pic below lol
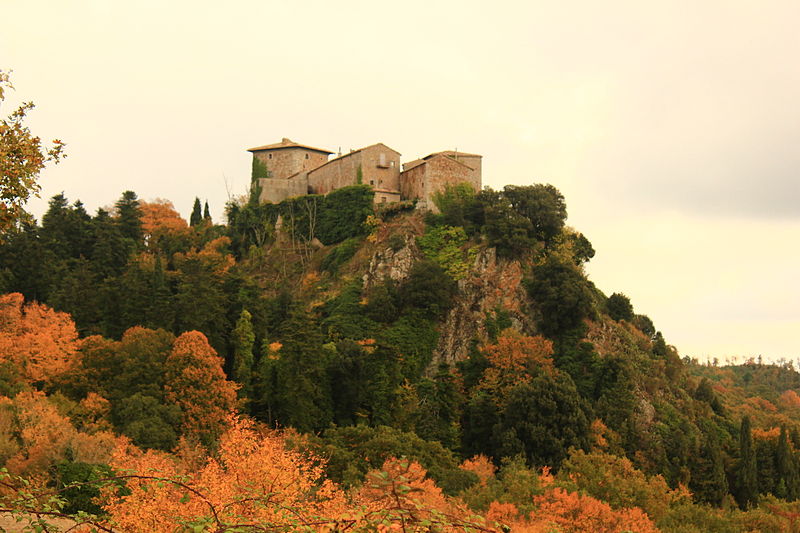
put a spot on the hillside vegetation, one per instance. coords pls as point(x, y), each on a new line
point(324, 364)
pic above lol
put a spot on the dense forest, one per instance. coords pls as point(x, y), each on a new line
point(327, 364)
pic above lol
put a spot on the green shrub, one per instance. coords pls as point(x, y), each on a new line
point(396, 242)
point(340, 255)
point(343, 212)
point(443, 245)
point(81, 497)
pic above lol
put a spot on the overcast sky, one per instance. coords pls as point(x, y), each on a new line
point(672, 128)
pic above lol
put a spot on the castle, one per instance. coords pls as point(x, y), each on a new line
point(295, 169)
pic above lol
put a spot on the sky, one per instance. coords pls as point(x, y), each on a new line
point(672, 128)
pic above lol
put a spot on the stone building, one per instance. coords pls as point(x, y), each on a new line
point(295, 169)
point(422, 178)
point(377, 166)
point(286, 163)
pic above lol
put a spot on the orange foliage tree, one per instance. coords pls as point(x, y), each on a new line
point(195, 382)
point(160, 216)
point(34, 436)
point(254, 483)
point(163, 228)
point(254, 480)
point(39, 342)
point(514, 359)
point(572, 512)
point(790, 399)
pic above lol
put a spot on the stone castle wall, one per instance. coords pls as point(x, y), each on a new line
point(277, 190)
point(287, 162)
point(297, 170)
point(424, 180)
point(380, 169)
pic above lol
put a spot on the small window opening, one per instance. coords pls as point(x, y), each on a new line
point(372, 182)
point(270, 156)
point(306, 156)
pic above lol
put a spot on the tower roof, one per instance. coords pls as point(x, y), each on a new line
point(287, 143)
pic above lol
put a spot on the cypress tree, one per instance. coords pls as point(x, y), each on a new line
point(243, 339)
point(197, 215)
point(787, 468)
point(206, 212)
point(747, 476)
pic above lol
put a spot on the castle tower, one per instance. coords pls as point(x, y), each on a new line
point(282, 168)
point(286, 158)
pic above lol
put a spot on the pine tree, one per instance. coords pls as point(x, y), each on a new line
point(197, 215)
point(206, 213)
point(746, 475)
point(129, 218)
point(243, 339)
point(303, 392)
point(110, 249)
point(709, 482)
point(159, 313)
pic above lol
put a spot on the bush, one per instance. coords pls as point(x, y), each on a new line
point(81, 498)
point(429, 287)
point(443, 245)
point(562, 294)
point(619, 307)
point(343, 213)
point(353, 451)
point(340, 255)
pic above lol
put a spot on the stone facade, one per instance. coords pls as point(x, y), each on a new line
point(275, 190)
point(423, 178)
point(295, 170)
point(378, 166)
point(287, 158)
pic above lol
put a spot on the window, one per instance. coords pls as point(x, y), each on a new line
point(372, 182)
point(270, 156)
point(306, 156)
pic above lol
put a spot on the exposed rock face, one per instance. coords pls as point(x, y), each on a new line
point(392, 264)
point(491, 284)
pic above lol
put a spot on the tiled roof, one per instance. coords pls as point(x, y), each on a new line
point(452, 153)
point(287, 143)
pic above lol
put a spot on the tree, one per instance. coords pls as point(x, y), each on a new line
point(193, 374)
point(66, 230)
point(709, 482)
point(243, 340)
point(302, 393)
point(619, 307)
point(164, 229)
point(746, 471)
point(543, 205)
point(129, 218)
point(562, 294)
point(206, 213)
point(22, 158)
point(428, 287)
point(789, 480)
point(197, 214)
point(542, 419)
point(39, 342)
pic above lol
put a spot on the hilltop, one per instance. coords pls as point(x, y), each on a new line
point(468, 339)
